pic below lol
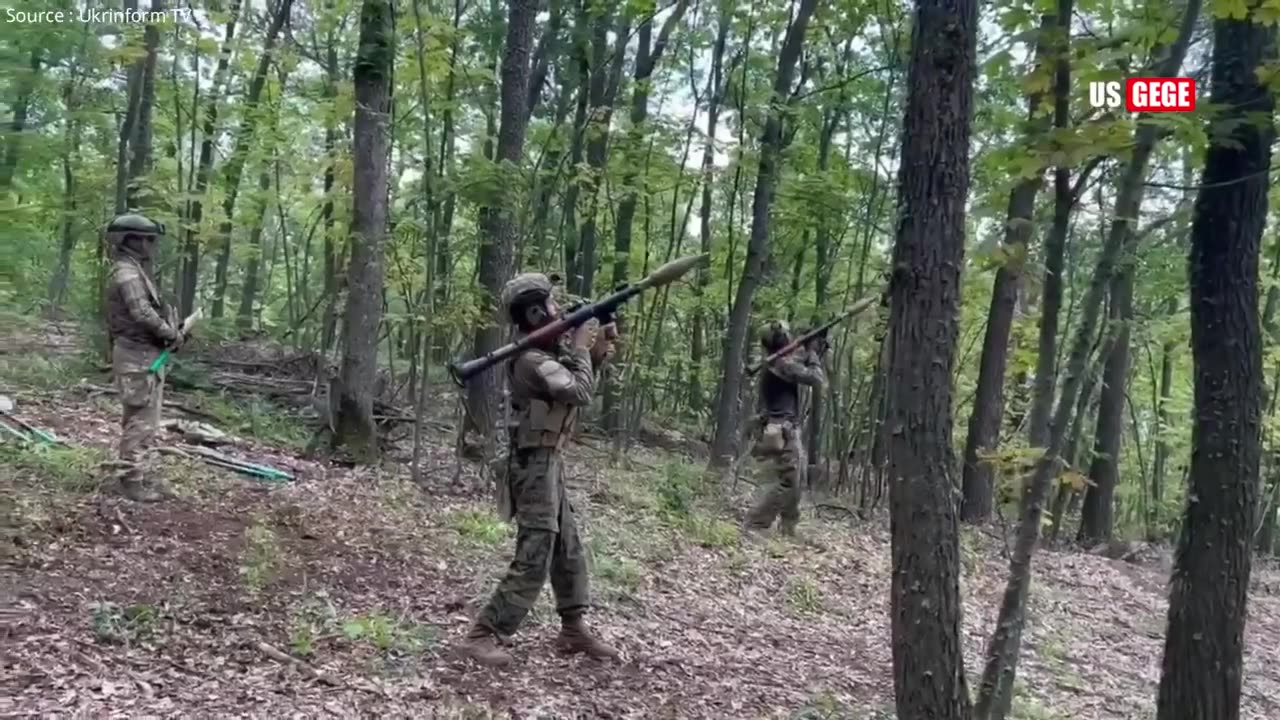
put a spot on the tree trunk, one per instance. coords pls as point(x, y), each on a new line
point(70, 153)
point(140, 146)
point(831, 122)
point(497, 222)
point(1201, 675)
point(18, 125)
point(697, 347)
point(1055, 248)
point(604, 92)
point(988, 400)
point(249, 292)
point(758, 245)
point(1162, 416)
point(924, 308)
point(1096, 516)
point(648, 55)
point(195, 212)
point(354, 427)
point(332, 267)
point(133, 99)
point(239, 155)
point(995, 695)
point(548, 46)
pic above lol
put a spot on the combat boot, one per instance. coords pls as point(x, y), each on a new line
point(138, 491)
point(576, 638)
point(481, 645)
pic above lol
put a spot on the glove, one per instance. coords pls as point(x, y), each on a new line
point(819, 346)
point(584, 336)
point(603, 348)
point(179, 339)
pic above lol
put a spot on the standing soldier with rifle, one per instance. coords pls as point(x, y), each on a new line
point(548, 383)
point(780, 446)
point(142, 327)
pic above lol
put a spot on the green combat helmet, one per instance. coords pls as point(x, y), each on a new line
point(131, 224)
point(522, 285)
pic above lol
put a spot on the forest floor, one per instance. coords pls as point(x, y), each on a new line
point(339, 594)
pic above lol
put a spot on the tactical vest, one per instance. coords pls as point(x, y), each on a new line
point(120, 321)
point(778, 398)
point(536, 422)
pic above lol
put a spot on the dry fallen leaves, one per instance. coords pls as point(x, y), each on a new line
point(753, 630)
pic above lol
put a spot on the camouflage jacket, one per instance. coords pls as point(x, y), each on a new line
point(135, 312)
point(780, 383)
point(546, 390)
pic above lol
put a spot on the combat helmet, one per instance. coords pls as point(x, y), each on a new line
point(776, 334)
point(524, 287)
point(131, 224)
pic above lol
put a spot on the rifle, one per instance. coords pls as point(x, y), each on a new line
point(602, 310)
point(818, 332)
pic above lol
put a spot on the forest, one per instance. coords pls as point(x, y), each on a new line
point(1041, 480)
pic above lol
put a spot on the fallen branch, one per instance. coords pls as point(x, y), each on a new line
point(304, 667)
point(310, 671)
point(831, 506)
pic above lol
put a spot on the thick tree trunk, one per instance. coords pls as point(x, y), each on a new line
point(924, 308)
point(497, 222)
point(240, 154)
point(735, 345)
point(195, 211)
point(988, 400)
point(354, 427)
point(1201, 675)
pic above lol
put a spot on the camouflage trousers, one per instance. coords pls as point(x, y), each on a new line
point(141, 396)
point(780, 453)
point(547, 544)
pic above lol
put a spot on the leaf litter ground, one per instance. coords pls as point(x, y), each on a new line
point(340, 594)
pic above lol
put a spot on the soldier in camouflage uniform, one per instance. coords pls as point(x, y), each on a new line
point(547, 387)
point(141, 327)
point(779, 446)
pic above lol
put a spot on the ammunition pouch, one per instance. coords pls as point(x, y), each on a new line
point(547, 425)
point(774, 437)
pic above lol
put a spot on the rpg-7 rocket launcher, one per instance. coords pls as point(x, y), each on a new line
point(602, 310)
point(818, 332)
